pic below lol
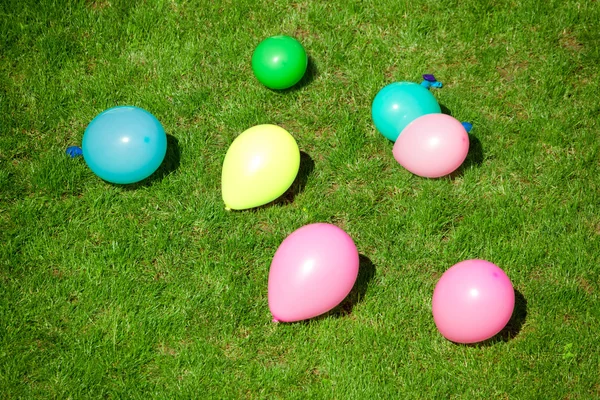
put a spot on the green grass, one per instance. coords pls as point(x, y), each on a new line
point(155, 291)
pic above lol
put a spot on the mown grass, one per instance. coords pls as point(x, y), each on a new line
point(154, 290)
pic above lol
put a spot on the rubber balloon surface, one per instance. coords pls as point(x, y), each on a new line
point(313, 270)
point(472, 301)
point(279, 62)
point(432, 146)
point(400, 103)
point(124, 144)
point(260, 165)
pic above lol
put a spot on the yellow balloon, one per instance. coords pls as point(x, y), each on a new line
point(260, 165)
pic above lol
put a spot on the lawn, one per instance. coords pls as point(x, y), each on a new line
point(154, 290)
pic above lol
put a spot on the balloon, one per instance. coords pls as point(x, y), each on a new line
point(260, 165)
point(312, 271)
point(400, 103)
point(432, 146)
point(124, 144)
point(472, 301)
point(279, 62)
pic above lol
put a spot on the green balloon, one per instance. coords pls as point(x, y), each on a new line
point(279, 62)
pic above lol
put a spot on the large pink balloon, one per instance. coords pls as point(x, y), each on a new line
point(312, 271)
point(432, 146)
point(472, 301)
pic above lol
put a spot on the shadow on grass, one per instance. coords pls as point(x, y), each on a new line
point(474, 158)
point(475, 154)
point(366, 272)
point(514, 325)
point(307, 165)
point(170, 164)
point(445, 110)
point(309, 76)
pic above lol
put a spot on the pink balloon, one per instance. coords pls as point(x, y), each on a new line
point(312, 271)
point(432, 146)
point(472, 301)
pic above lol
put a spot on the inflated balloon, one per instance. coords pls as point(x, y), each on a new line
point(279, 62)
point(432, 146)
point(260, 165)
point(312, 271)
point(400, 103)
point(124, 144)
point(472, 301)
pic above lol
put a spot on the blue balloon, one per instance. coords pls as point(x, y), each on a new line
point(124, 144)
point(400, 103)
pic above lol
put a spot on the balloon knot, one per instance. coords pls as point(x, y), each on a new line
point(430, 81)
point(227, 208)
point(468, 126)
point(275, 320)
point(74, 151)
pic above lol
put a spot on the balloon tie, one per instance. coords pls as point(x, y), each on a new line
point(468, 126)
point(74, 151)
point(430, 82)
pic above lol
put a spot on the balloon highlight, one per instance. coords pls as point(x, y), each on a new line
point(313, 270)
point(472, 301)
point(124, 144)
point(260, 165)
point(279, 62)
point(400, 103)
point(432, 146)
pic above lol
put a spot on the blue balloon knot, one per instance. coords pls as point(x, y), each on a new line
point(468, 126)
point(74, 151)
point(430, 82)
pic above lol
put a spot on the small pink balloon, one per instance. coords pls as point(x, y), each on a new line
point(312, 271)
point(472, 301)
point(432, 146)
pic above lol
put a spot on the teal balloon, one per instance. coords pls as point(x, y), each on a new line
point(124, 144)
point(400, 103)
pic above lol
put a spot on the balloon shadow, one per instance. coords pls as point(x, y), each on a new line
point(474, 158)
point(475, 154)
point(307, 165)
point(169, 165)
point(309, 76)
point(445, 110)
point(366, 273)
point(514, 325)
